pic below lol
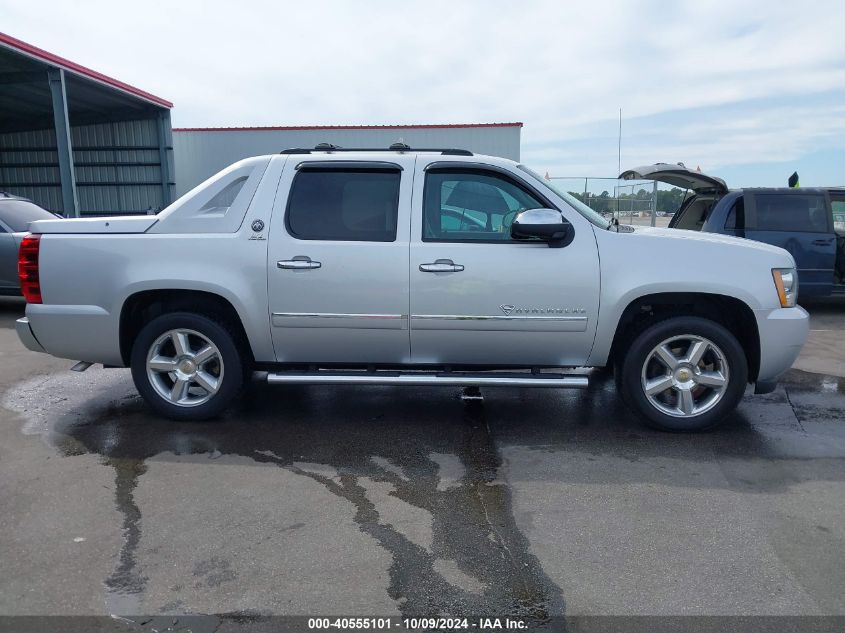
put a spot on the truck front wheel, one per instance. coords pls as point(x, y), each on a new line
point(187, 366)
point(684, 374)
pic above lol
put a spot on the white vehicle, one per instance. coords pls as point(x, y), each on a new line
point(408, 267)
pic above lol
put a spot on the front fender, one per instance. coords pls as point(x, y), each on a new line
point(651, 262)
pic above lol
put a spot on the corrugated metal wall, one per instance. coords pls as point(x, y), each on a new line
point(200, 154)
point(116, 165)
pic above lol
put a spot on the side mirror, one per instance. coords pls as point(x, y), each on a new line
point(547, 225)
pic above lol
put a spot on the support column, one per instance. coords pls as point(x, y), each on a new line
point(164, 144)
point(654, 203)
point(70, 201)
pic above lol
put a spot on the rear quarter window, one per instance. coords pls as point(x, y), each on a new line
point(736, 216)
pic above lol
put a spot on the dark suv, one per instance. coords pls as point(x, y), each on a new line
point(807, 222)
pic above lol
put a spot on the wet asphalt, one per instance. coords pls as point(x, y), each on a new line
point(412, 501)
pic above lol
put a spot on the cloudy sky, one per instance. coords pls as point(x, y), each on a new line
point(747, 90)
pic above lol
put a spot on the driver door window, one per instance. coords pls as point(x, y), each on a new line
point(471, 206)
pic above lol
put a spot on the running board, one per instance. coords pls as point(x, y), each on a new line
point(423, 379)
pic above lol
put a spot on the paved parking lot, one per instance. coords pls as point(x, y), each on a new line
point(315, 500)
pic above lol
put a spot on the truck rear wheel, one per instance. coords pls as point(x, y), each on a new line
point(684, 374)
point(187, 366)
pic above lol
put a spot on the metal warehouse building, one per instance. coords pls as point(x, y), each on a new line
point(78, 142)
point(202, 152)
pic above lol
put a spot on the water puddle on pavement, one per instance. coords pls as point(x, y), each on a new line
point(472, 559)
point(420, 468)
point(125, 586)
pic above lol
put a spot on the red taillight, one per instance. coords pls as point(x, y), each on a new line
point(28, 268)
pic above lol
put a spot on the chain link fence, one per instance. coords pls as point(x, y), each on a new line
point(630, 203)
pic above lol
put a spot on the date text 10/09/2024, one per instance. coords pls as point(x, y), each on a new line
point(417, 624)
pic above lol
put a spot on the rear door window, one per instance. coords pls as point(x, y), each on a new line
point(343, 204)
point(791, 213)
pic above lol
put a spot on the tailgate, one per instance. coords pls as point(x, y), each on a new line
point(117, 224)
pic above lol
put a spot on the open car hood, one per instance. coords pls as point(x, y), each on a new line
point(677, 176)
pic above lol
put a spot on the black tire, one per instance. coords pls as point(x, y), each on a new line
point(217, 332)
point(630, 373)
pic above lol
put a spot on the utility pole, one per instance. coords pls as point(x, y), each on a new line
point(618, 163)
point(619, 147)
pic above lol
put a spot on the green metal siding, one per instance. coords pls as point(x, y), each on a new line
point(117, 167)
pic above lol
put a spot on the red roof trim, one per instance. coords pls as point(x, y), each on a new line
point(41, 54)
point(291, 128)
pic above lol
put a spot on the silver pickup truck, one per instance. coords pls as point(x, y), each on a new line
point(408, 267)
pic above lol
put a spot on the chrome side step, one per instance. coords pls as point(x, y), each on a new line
point(423, 379)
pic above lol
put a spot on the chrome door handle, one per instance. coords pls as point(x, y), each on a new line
point(441, 266)
point(300, 262)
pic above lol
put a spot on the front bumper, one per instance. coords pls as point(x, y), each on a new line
point(783, 332)
point(26, 336)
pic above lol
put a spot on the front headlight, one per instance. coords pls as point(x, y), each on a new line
point(786, 282)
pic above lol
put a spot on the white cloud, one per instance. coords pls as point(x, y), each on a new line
point(563, 69)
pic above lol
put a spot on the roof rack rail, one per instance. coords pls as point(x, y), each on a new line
point(396, 147)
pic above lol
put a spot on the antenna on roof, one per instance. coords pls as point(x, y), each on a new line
point(326, 146)
point(400, 146)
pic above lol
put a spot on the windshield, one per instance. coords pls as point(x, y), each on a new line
point(17, 214)
point(571, 200)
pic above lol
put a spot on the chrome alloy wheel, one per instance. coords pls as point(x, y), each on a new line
point(185, 367)
point(684, 376)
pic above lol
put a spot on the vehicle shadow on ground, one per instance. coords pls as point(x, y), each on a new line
point(345, 427)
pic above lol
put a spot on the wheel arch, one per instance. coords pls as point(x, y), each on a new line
point(732, 313)
point(141, 307)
